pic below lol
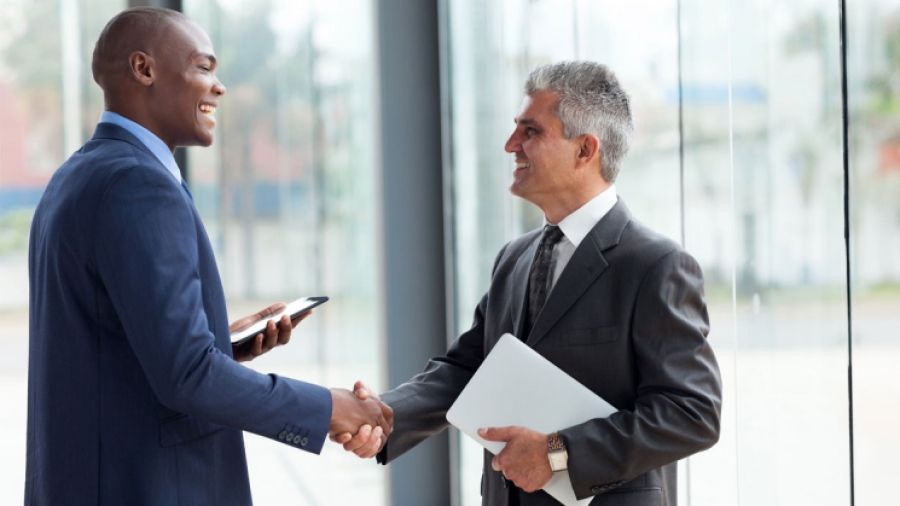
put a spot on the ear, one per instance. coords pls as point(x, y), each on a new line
point(589, 150)
point(142, 68)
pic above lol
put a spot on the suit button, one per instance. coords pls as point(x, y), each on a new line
point(503, 480)
point(290, 437)
point(596, 490)
point(304, 440)
point(282, 435)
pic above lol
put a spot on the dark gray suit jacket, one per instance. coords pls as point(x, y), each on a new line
point(627, 318)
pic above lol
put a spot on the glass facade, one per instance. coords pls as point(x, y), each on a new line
point(737, 154)
point(287, 193)
point(49, 106)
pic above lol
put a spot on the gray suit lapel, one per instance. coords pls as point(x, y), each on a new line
point(582, 270)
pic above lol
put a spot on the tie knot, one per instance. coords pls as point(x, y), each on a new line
point(552, 235)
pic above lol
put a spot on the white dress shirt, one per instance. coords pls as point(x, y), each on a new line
point(576, 227)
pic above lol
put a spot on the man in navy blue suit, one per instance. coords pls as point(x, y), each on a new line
point(135, 393)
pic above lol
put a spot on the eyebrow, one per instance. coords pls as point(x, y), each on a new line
point(210, 57)
point(527, 121)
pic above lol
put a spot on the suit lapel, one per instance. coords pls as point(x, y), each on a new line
point(582, 270)
point(520, 277)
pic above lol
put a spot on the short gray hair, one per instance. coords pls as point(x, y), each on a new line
point(591, 101)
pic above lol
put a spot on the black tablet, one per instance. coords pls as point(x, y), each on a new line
point(293, 309)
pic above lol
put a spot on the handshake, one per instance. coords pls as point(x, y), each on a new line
point(359, 420)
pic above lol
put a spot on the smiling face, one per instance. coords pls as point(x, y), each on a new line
point(185, 90)
point(546, 162)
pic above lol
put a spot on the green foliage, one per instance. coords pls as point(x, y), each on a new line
point(14, 228)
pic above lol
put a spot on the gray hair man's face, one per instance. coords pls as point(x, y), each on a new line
point(545, 159)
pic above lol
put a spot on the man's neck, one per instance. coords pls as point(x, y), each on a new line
point(558, 209)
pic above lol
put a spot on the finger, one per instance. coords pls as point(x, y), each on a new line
point(284, 331)
point(382, 421)
point(341, 438)
point(388, 414)
point(271, 329)
point(371, 448)
point(360, 439)
point(374, 446)
point(495, 465)
point(496, 433)
point(361, 390)
point(274, 308)
point(256, 349)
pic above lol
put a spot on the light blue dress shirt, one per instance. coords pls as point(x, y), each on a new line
point(147, 138)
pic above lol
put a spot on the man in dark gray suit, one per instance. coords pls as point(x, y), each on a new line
point(615, 305)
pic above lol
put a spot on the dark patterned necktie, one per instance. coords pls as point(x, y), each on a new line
point(539, 280)
point(185, 186)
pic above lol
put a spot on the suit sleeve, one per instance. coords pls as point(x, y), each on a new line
point(146, 244)
point(679, 391)
point(420, 405)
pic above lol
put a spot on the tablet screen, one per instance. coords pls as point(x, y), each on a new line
point(293, 309)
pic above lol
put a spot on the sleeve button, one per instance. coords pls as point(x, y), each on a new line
point(595, 490)
point(304, 440)
point(282, 435)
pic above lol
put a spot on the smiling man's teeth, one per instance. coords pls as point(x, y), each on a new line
point(207, 109)
point(523, 165)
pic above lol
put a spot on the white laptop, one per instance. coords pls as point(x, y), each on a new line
point(517, 386)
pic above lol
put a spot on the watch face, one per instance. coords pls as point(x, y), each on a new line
point(558, 461)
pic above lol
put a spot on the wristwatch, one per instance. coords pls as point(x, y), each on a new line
point(556, 452)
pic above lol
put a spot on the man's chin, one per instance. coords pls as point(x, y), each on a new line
point(203, 141)
point(517, 188)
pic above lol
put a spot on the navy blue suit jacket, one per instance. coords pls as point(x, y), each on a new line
point(133, 395)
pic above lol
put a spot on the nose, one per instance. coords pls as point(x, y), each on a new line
point(219, 88)
point(513, 144)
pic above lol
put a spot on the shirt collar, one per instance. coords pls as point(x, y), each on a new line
point(579, 224)
point(147, 138)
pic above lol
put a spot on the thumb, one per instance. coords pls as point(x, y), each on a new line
point(495, 433)
point(361, 390)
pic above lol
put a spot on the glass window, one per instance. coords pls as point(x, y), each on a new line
point(287, 193)
point(49, 106)
point(874, 79)
point(737, 123)
point(493, 48)
point(763, 190)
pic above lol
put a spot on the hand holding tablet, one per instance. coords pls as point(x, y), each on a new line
point(294, 309)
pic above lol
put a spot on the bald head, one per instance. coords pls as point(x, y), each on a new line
point(136, 29)
point(158, 68)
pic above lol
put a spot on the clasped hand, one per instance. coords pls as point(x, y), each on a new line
point(366, 442)
point(353, 416)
